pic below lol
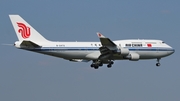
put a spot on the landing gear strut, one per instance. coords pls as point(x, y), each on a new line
point(158, 63)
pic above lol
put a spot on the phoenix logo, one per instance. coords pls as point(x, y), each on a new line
point(24, 30)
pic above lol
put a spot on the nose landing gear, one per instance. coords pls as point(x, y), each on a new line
point(158, 63)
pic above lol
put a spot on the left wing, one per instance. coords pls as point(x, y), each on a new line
point(105, 41)
point(109, 48)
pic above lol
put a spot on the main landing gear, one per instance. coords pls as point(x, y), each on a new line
point(96, 64)
point(158, 63)
point(110, 64)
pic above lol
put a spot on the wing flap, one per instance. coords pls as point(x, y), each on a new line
point(105, 53)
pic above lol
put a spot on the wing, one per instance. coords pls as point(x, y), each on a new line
point(106, 41)
point(108, 47)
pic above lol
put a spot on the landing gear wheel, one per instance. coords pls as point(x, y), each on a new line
point(96, 67)
point(101, 64)
point(158, 64)
point(109, 65)
point(92, 65)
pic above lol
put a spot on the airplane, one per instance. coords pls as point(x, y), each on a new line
point(104, 52)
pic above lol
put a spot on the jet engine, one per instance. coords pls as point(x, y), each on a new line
point(133, 56)
point(123, 51)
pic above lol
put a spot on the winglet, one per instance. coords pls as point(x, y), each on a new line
point(100, 35)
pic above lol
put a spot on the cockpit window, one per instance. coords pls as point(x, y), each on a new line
point(163, 42)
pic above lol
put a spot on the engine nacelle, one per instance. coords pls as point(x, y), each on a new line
point(123, 51)
point(133, 56)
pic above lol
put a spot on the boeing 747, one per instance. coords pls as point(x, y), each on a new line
point(104, 52)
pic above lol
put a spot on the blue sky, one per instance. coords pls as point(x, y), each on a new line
point(27, 76)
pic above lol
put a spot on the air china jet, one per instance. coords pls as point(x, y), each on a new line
point(104, 52)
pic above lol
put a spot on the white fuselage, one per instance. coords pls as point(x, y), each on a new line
point(147, 49)
point(103, 52)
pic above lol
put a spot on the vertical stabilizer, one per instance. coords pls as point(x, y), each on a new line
point(25, 31)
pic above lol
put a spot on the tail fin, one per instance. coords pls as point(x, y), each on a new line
point(25, 31)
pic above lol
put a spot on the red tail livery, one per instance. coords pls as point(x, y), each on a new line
point(24, 30)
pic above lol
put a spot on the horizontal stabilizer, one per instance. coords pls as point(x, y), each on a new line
point(29, 44)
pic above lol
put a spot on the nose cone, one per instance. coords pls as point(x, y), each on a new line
point(171, 51)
